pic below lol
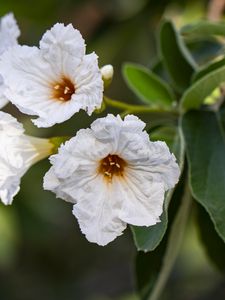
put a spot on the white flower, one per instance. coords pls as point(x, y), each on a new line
point(9, 33)
point(17, 153)
point(54, 81)
point(114, 175)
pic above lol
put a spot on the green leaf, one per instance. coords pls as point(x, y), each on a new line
point(148, 238)
point(175, 56)
point(203, 28)
point(205, 144)
point(158, 68)
point(208, 69)
point(196, 94)
point(213, 244)
point(148, 266)
point(157, 119)
point(147, 86)
point(205, 50)
point(168, 134)
point(153, 268)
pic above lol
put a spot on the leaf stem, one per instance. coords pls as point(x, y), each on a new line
point(139, 108)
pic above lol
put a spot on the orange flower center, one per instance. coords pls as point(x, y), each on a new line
point(112, 165)
point(63, 90)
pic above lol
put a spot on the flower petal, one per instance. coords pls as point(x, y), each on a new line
point(60, 35)
point(155, 161)
point(98, 219)
point(88, 84)
point(142, 200)
point(9, 32)
point(3, 98)
point(17, 153)
point(75, 165)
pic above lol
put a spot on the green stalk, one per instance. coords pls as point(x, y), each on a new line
point(139, 108)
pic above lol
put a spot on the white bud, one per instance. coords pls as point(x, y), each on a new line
point(107, 74)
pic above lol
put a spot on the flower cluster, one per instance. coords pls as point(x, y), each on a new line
point(112, 173)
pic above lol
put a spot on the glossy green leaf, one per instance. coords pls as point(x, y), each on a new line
point(204, 28)
point(196, 94)
point(157, 119)
point(158, 68)
point(168, 134)
point(147, 86)
point(208, 69)
point(212, 243)
point(148, 238)
point(205, 50)
point(175, 56)
point(153, 268)
point(204, 134)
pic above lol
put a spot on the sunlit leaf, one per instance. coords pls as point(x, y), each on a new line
point(147, 86)
point(208, 69)
point(196, 94)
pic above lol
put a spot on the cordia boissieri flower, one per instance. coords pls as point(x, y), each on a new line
point(114, 175)
point(17, 153)
point(55, 80)
point(9, 33)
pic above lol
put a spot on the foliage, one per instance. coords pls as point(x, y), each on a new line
point(178, 101)
point(200, 122)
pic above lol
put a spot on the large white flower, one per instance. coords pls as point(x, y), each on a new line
point(54, 81)
point(17, 153)
point(114, 175)
point(9, 33)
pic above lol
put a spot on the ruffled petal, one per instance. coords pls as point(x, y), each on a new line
point(75, 165)
point(60, 35)
point(98, 219)
point(88, 84)
point(155, 161)
point(3, 98)
point(142, 200)
point(8, 192)
point(9, 32)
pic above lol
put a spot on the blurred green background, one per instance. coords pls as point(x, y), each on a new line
point(43, 254)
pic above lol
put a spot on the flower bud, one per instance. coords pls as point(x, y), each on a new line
point(107, 75)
